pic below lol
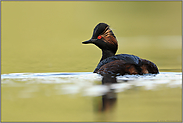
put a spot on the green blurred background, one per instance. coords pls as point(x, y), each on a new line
point(46, 36)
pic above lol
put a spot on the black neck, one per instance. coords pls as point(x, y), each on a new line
point(106, 54)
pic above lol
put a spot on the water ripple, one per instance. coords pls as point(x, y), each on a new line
point(87, 83)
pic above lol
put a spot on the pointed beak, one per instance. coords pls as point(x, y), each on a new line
point(89, 41)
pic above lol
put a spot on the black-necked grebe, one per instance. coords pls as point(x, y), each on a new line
point(120, 64)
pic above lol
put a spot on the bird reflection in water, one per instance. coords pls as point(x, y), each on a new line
point(109, 99)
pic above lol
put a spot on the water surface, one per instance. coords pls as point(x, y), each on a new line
point(46, 71)
point(80, 96)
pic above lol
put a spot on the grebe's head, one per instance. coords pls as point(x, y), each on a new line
point(104, 38)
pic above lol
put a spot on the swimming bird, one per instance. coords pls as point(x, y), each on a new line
point(121, 64)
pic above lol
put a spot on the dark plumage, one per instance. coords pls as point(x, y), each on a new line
point(124, 57)
point(120, 64)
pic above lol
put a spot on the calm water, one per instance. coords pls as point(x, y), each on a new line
point(46, 71)
point(80, 96)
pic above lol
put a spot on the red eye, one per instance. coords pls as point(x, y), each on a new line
point(99, 37)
